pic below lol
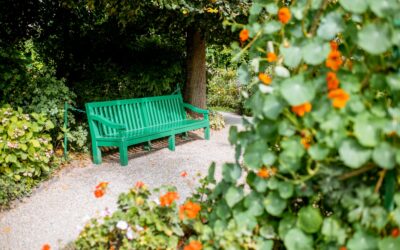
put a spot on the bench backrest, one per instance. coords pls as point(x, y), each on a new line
point(137, 113)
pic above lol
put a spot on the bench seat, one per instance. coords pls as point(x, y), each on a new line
point(127, 122)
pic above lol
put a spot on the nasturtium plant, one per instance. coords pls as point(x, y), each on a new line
point(320, 157)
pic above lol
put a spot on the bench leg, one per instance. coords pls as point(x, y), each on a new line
point(96, 154)
point(207, 133)
point(171, 143)
point(147, 146)
point(123, 155)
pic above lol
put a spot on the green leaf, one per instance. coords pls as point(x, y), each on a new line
point(389, 243)
point(285, 224)
point(374, 38)
point(296, 91)
point(265, 244)
point(253, 203)
point(274, 204)
point(384, 155)
point(268, 158)
point(362, 241)
point(394, 81)
point(231, 172)
point(353, 154)
point(273, 107)
point(355, 6)
point(49, 125)
point(211, 173)
point(296, 239)
point(243, 74)
point(286, 190)
point(366, 131)
point(233, 196)
point(35, 143)
point(309, 219)
point(291, 56)
point(332, 231)
point(315, 52)
point(330, 26)
point(382, 8)
point(253, 154)
point(318, 151)
point(281, 71)
point(272, 26)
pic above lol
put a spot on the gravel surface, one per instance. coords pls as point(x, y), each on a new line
point(59, 207)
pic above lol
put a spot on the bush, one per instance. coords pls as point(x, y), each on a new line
point(34, 87)
point(26, 152)
point(217, 121)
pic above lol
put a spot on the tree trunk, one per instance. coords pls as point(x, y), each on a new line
point(195, 89)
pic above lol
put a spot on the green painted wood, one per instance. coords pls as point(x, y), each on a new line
point(122, 123)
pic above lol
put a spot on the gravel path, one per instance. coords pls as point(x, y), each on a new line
point(56, 210)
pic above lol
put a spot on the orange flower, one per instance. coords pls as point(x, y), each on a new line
point(284, 15)
point(183, 174)
point(263, 173)
point(244, 35)
point(189, 210)
point(395, 233)
point(194, 245)
point(168, 198)
point(334, 60)
point(306, 142)
point(266, 79)
point(46, 247)
point(271, 57)
point(139, 184)
point(343, 248)
point(99, 193)
point(332, 80)
point(334, 45)
point(340, 98)
point(300, 110)
point(102, 185)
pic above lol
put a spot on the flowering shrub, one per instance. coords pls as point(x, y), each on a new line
point(139, 223)
point(26, 152)
point(321, 156)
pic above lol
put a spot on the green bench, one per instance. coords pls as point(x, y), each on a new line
point(123, 123)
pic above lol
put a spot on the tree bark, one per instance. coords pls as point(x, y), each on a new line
point(195, 89)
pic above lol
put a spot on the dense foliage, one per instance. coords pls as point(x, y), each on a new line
point(26, 152)
point(321, 156)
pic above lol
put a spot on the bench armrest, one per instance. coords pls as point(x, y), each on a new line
point(108, 123)
point(195, 109)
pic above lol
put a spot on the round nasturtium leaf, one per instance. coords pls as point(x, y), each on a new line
point(274, 204)
point(366, 132)
point(296, 91)
point(384, 155)
point(330, 26)
point(383, 7)
point(315, 52)
point(355, 6)
point(374, 38)
point(286, 189)
point(353, 154)
point(362, 241)
point(309, 219)
point(389, 243)
point(285, 224)
point(296, 239)
point(291, 56)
